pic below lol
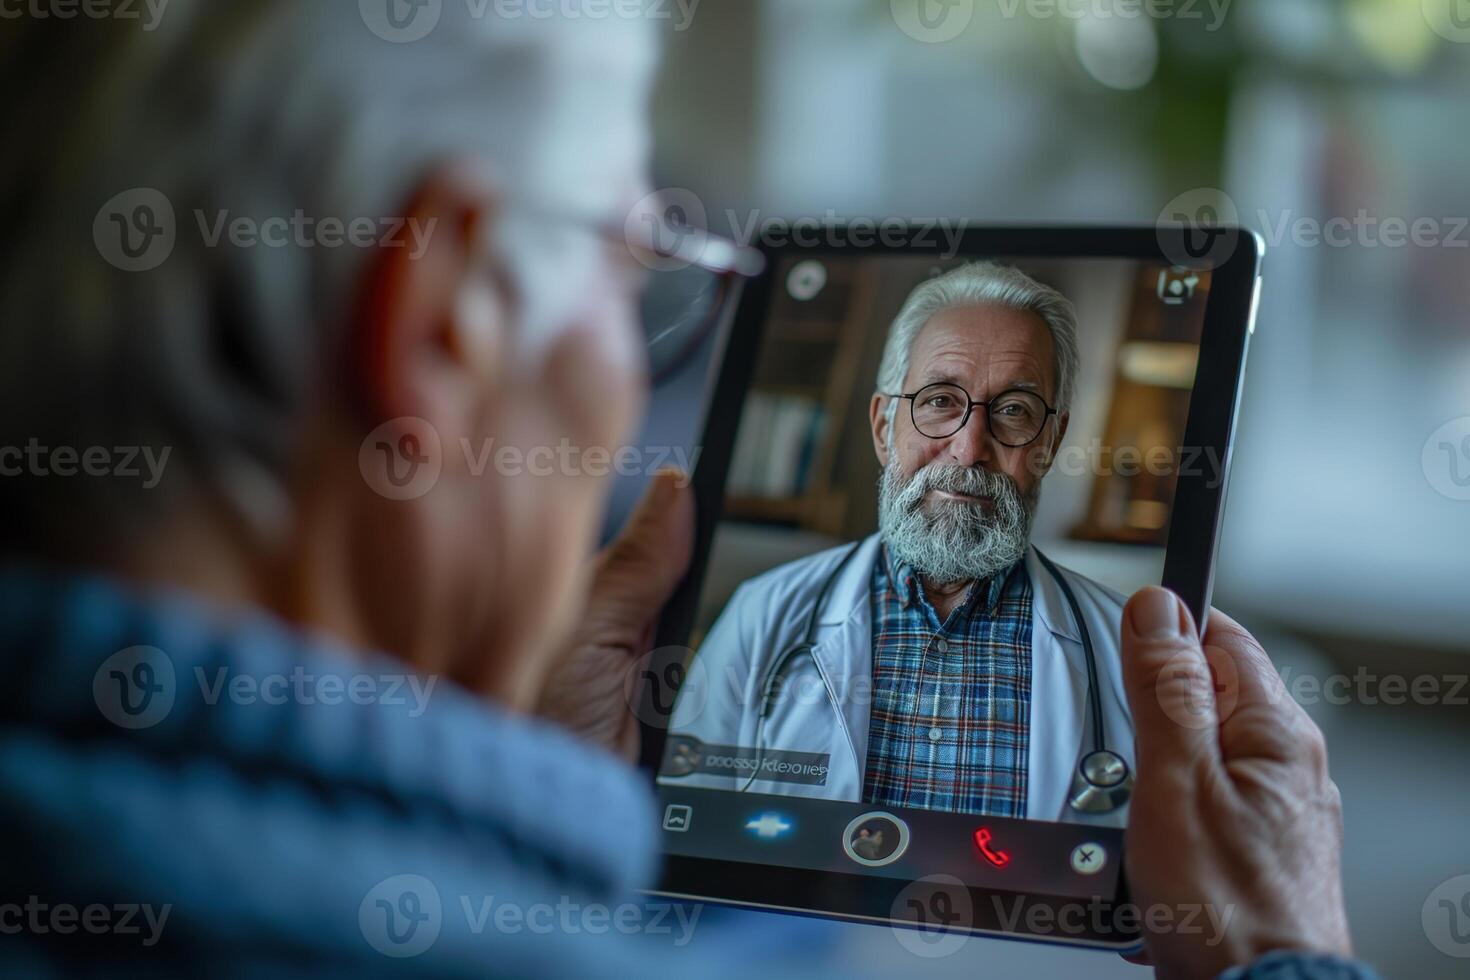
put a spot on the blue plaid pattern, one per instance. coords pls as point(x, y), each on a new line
point(951, 702)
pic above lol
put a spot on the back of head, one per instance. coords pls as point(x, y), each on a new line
point(190, 200)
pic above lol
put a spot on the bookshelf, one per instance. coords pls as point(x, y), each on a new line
point(814, 371)
point(1153, 376)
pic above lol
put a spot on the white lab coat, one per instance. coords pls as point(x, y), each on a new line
point(720, 698)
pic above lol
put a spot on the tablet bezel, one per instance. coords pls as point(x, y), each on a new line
point(1199, 501)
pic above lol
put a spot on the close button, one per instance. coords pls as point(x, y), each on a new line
point(1088, 859)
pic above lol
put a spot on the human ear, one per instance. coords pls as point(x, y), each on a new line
point(878, 418)
point(1059, 433)
point(432, 323)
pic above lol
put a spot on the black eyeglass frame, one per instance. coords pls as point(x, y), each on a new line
point(972, 404)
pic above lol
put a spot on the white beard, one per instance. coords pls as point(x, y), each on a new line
point(947, 540)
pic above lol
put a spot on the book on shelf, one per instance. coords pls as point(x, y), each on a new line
point(778, 440)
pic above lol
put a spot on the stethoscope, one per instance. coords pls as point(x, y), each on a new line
point(1103, 781)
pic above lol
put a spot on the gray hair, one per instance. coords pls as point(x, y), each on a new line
point(262, 110)
point(983, 284)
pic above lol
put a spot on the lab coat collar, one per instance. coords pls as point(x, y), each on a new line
point(850, 591)
point(1050, 605)
point(844, 656)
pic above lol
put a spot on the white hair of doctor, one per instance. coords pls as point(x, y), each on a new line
point(981, 284)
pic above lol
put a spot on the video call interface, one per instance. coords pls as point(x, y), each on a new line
point(945, 472)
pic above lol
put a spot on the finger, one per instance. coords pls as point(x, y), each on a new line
point(1276, 724)
point(1167, 679)
point(638, 571)
point(1255, 680)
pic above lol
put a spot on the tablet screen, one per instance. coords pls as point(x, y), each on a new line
point(947, 476)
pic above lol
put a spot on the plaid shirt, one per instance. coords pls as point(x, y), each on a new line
point(952, 701)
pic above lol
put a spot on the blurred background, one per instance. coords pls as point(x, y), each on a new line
point(1337, 129)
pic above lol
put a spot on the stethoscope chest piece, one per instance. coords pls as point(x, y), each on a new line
point(1103, 782)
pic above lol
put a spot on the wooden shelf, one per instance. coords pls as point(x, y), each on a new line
point(812, 352)
point(768, 510)
point(815, 391)
point(787, 330)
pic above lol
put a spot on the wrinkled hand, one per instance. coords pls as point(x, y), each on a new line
point(1233, 806)
point(633, 578)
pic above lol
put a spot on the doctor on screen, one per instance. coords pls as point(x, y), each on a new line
point(942, 663)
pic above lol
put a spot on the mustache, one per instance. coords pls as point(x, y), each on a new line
point(972, 481)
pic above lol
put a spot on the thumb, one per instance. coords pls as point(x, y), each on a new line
point(638, 571)
point(1168, 681)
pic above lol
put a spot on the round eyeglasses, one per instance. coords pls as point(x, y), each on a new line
point(1015, 417)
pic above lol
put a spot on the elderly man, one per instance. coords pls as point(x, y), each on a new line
point(222, 744)
point(949, 670)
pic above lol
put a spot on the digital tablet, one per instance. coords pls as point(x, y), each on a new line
point(931, 471)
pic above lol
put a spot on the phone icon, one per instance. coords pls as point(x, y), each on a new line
point(996, 857)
